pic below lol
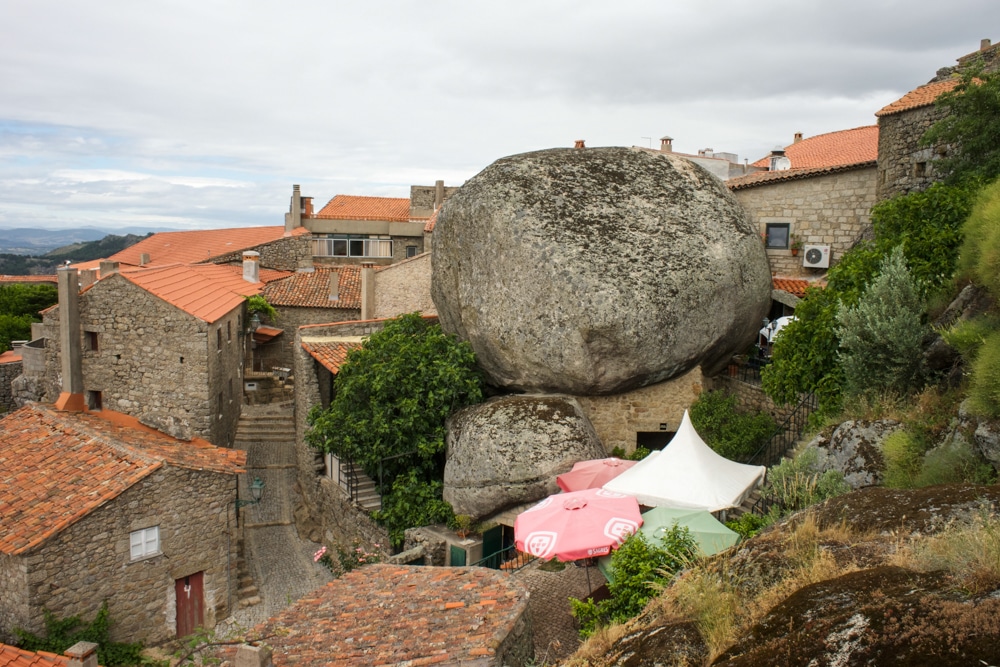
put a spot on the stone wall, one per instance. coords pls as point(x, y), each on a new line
point(404, 288)
point(618, 417)
point(290, 318)
point(422, 198)
point(8, 372)
point(831, 209)
point(288, 253)
point(89, 562)
point(750, 397)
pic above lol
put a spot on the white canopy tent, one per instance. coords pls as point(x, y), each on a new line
point(688, 474)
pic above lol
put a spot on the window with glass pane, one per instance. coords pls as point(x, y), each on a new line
point(144, 543)
point(777, 235)
point(340, 247)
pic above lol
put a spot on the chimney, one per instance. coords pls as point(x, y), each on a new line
point(71, 349)
point(253, 656)
point(798, 138)
point(666, 144)
point(144, 259)
point(82, 654)
point(367, 290)
point(293, 219)
point(335, 286)
point(438, 194)
point(984, 44)
point(579, 143)
point(87, 277)
point(251, 266)
point(108, 268)
point(307, 207)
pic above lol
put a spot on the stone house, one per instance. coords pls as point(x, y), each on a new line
point(904, 163)
point(10, 367)
point(164, 344)
point(819, 195)
point(99, 508)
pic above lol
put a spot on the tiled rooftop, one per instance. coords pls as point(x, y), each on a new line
point(11, 656)
point(199, 245)
point(350, 207)
point(832, 149)
point(399, 615)
point(431, 221)
point(205, 291)
point(312, 289)
point(793, 286)
point(56, 467)
point(10, 357)
point(767, 177)
point(331, 355)
point(918, 97)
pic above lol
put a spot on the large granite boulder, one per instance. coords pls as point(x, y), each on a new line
point(855, 449)
point(597, 271)
point(508, 451)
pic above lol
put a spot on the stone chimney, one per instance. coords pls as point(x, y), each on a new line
point(82, 654)
point(251, 266)
point(253, 656)
point(88, 277)
point(108, 268)
point(666, 144)
point(293, 219)
point(798, 138)
point(335, 286)
point(367, 290)
point(71, 348)
point(144, 259)
point(984, 44)
point(307, 207)
point(579, 143)
point(438, 194)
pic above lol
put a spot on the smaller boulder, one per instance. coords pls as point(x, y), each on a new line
point(508, 451)
point(855, 449)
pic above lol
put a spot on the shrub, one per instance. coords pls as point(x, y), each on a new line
point(984, 387)
point(60, 634)
point(954, 462)
point(732, 434)
point(967, 336)
point(748, 525)
point(413, 501)
point(881, 336)
point(797, 483)
point(903, 457)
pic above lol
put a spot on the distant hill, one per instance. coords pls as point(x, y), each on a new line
point(38, 242)
point(17, 264)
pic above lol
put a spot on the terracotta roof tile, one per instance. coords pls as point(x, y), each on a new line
point(792, 286)
point(331, 355)
point(56, 467)
point(10, 357)
point(312, 289)
point(350, 207)
point(768, 177)
point(199, 245)
point(399, 615)
point(205, 291)
point(431, 221)
point(265, 275)
point(832, 149)
point(923, 96)
point(11, 656)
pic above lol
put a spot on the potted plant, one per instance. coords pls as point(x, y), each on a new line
point(796, 245)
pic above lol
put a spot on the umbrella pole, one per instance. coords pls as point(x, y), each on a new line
point(590, 589)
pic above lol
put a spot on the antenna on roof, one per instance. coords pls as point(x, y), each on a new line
point(650, 141)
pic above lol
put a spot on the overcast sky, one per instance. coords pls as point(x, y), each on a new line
point(203, 113)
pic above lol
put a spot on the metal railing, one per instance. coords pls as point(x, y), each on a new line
point(786, 435)
point(508, 559)
point(348, 479)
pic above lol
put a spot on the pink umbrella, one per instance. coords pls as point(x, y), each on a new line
point(592, 474)
point(580, 524)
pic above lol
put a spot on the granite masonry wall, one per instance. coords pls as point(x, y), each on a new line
point(8, 372)
point(288, 253)
point(405, 287)
point(831, 209)
point(619, 417)
point(155, 362)
point(750, 397)
point(903, 164)
point(282, 349)
point(89, 562)
point(422, 198)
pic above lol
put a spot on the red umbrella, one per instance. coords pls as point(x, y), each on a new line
point(592, 474)
point(580, 524)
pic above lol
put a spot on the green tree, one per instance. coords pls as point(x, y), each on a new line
point(971, 127)
point(19, 307)
point(881, 336)
point(732, 434)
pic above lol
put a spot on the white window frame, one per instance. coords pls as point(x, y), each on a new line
point(144, 543)
point(353, 245)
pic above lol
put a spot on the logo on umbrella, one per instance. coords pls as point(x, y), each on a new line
point(540, 543)
point(619, 529)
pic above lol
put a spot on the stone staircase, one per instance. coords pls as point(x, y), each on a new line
point(266, 423)
point(365, 492)
point(247, 594)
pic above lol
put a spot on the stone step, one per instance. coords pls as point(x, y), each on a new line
point(246, 592)
point(250, 602)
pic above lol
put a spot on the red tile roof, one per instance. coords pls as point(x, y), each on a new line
point(312, 289)
point(331, 355)
point(57, 467)
point(399, 615)
point(265, 275)
point(349, 207)
point(793, 286)
point(10, 357)
point(832, 149)
point(923, 96)
point(431, 221)
point(200, 245)
point(11, 656)
point(767, 177)
point(205, 291)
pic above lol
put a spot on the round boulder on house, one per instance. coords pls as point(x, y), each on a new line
point(597, 271)
point(508, 451)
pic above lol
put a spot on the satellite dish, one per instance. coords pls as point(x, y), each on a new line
point(780, 163)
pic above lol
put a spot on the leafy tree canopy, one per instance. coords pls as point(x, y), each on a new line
point(19, 307)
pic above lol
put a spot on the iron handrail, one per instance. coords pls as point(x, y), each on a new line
point(508, 559)
point(786, 435)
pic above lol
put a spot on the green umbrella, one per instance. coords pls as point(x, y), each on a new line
point(709, 534)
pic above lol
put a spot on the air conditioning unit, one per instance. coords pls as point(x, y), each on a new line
point(816, 257)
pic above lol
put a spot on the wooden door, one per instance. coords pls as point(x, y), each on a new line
point(190, 594)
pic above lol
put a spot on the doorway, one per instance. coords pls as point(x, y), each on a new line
point(653, 439)
point(190, 594)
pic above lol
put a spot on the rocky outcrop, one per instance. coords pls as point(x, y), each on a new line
point(508, 451)
point(855, 449)
point(597, 271)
